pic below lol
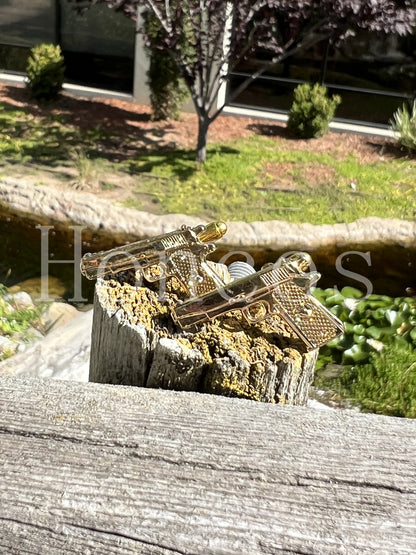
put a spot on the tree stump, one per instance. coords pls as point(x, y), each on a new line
point(136, 342)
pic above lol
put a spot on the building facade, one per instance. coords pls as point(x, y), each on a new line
point(99, 46)
point(373, 74)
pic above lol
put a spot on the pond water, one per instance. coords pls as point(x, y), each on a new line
point(22, 250)
point(383, 270)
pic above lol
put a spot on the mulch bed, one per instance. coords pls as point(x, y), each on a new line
point(133, 121)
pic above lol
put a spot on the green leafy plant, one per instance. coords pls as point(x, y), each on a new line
point(374, 361)
point(370, 324)
point(16, 322)
point(386, 384)
point(311, 111)
point(168, 90)
point(45, 72)
point(403, 124)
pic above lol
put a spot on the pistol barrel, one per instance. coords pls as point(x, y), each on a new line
point(134, 255)
point(149, 252)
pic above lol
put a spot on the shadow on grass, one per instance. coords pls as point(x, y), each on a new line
point(28, 140)
point(181, 162)
point(272, 130)
point(48, 133)
point(391, 149)
point(80, 112)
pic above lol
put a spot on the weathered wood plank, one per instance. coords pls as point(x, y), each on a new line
point(91, 468)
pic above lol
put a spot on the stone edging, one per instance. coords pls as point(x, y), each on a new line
point(68, 207)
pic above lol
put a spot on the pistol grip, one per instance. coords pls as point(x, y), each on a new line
point(193, 272)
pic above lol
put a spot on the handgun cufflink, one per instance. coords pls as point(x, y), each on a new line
point(279, 292)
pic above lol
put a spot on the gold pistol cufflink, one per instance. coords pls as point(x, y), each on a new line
point(275, 292)
point(181, 253)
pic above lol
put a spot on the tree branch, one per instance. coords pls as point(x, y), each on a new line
point(275, 60)
point(165, 25)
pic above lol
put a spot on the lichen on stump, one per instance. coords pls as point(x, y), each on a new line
point(136, 342)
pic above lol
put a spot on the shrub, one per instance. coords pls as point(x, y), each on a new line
point(45, 72)
point(387, 384)
point(376, 354)
point(370, 323)
point(311, 111)
point(167, 90)
point(403, 125)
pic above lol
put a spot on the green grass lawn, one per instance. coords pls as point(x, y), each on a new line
point(247, 179)
point(235, 183)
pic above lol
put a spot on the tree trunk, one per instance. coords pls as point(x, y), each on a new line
point(223, 358)
point(201, 149)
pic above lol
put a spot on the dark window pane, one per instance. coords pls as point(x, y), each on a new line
point(13, 58)
point(374, 74)
point(373, 61)
point(98, 31)
point(98, 46)
point(366, 106)
point(108, 72)
point(264, 93)
point(26, 23)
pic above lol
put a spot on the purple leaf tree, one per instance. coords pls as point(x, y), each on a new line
point(209, 38)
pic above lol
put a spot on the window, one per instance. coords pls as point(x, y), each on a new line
point(373, 74)
point(98, 46)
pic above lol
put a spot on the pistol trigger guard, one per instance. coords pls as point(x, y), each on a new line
point(155, 272)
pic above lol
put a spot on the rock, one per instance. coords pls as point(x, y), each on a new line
point(19, 300)
point(278, 235)
point(56, 289)
point(63, 353)
point(58, 314)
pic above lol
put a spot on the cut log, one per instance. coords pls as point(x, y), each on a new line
point(135, 342)
point(91, 468)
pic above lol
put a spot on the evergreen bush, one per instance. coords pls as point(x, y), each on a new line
point(168, 91)
point(45, 72)
point(376, 354)
point(403, 125)
point(311, 111)
point(386, 384)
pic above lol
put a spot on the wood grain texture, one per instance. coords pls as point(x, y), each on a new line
point(92, 468)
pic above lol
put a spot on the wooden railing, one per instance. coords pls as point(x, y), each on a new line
point(91, 468)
